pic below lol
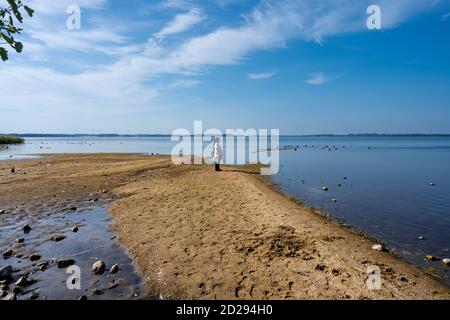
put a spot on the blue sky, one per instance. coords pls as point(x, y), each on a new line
point(304, 67)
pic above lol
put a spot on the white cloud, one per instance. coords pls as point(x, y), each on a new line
point(261, 75)
point(319, 79)
point(182, 23)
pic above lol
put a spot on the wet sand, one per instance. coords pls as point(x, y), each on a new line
point(197, 234)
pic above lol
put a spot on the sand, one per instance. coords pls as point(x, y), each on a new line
point(197, 234)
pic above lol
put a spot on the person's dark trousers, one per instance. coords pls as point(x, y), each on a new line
point(216, 166)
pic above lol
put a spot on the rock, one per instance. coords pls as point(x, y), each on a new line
point(22, 282)
point(114, 269)
point(325, 188)
point(421, 238)
point(446, 262)
point(97, 291)
point(35, 257)
point(321, 267)
point(65, 263)
point(9, 297)
point(13, 170)
point(2, 211)
point(8, 253)
point(26, 228)
point(431, 258)
point(82, 298)
point(73, 209)
point(334, 200)
point(20, 240)
point(57, 237)
point(378, 247)
point(17, 290)
point(98, 268)
point(75, 229)
point(34, 295)
point(431, 184)
point(42, 266)
point(6, 272)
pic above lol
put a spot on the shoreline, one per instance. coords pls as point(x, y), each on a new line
point(244, 239)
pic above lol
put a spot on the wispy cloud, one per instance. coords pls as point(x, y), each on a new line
point(261, 75)
point(319, 79)
point(445, 16)
point(182, 23)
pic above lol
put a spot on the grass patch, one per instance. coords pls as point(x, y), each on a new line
point(11, 140)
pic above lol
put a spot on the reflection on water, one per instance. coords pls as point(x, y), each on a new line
point(381, 184)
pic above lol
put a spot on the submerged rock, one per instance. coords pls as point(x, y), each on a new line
point(431, 258)
point(57, 237)
point(114, 269)
point(8, 253)
point(35, 257)
point(98, 267)
point(65, 263)
point(5, 272)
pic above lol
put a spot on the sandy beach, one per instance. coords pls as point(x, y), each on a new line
point(196, 234)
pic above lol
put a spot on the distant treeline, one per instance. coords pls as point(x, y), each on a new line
point(45, 135)
point(7, 139)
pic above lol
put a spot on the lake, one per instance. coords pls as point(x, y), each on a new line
point(396, 189)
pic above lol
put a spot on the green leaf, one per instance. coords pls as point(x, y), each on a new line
point(29, 11)
point(3, 54)
point(18, 47)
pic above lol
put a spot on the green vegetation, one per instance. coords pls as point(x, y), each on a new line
point(11, 140)
point(10, 16)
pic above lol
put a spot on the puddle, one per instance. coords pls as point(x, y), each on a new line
point(92, 242)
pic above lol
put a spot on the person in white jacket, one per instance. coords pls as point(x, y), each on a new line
point(218, 153)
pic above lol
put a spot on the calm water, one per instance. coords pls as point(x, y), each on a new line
point(386, 193)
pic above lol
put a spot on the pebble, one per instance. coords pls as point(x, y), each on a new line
point(96, 292)
point(8, 253)
point(421, 238)
point(65, 263)
point(98, 267)
point(73, 209)
point(446, 262)
point(378, 247)
point(26, 228)
point(431, 184)
point(334, 200)
point(114, 269)
point(20, 240)
point(57, 237)
point(75, 229)
point(325, 188)
point(2, 211)
point(34, 295)
point(35, 257)
point(431, 258)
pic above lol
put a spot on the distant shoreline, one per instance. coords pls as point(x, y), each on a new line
point(361, 135)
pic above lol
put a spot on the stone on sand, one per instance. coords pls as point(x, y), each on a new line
point(57, 237)
point(378, 247)
point(114, 269)
point(98, 268)
point(65, 263)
